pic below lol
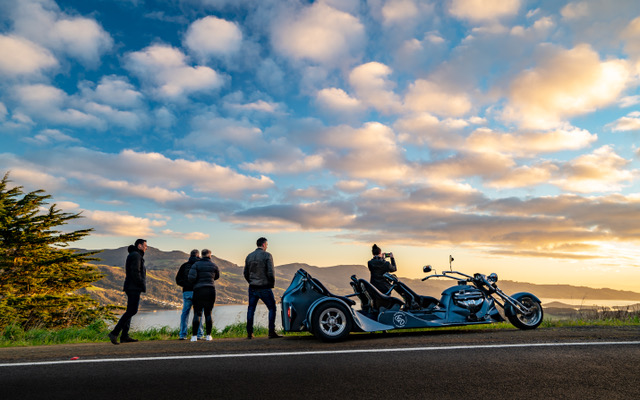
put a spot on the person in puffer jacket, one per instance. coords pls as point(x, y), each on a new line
point(202, 275)
point(258, 271)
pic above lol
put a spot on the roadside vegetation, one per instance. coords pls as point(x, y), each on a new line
point(14, 336)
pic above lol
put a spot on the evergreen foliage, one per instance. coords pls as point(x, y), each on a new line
point(39, 277)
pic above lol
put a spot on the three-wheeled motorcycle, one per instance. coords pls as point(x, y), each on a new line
point(307, 305)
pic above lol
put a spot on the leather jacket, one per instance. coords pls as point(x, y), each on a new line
point(258, 270)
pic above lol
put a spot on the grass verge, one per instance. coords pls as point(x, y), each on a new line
point(15, 336)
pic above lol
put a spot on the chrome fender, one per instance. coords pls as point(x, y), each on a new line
point(508, 308)
point(361, 323)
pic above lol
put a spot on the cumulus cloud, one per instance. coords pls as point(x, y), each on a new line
point(115, 91)
point(568, 83)
point(483, 10)
point(49, 136)
point(399, 11)
point(43, 22)
point(529, 143)
point(631, 122)
point(338, 101)
point(107, 223)
point(429, 96)
point(23, 57)
point(319, 33)
point(372, 86)
point(165, 69)
point(318, 215)
point(213, 37)
point(185, 236)
point(370, 152)
point(601, 171)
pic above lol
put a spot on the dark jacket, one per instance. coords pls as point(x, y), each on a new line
point(136, 275)
point(182, 277)
point(378, 267)
point(258, 270)
point(203, 273)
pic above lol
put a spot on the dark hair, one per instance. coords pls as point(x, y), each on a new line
point(261, 241)
point(139, 241)
point(376, 250)
point(195, 253)
point(206, 252)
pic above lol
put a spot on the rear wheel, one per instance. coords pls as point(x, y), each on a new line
point(529, 320)
point(331, 322)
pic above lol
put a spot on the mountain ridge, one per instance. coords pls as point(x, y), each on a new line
point(231, 288)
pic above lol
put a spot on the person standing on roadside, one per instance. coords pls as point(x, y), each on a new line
point(182, 279)
point(202, 275)
point(378, 266)
point(135, 282)
point(258, 271)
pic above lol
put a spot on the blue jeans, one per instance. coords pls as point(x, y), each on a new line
point(187, 303)
point(266, 295)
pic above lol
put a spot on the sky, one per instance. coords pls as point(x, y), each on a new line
point(501, 132)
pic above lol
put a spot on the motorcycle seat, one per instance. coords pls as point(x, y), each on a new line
point(376, 298)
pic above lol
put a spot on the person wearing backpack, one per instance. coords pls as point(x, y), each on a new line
point(182, 279)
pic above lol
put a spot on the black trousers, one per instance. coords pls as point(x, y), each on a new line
point(133, 301)
point(203, 301)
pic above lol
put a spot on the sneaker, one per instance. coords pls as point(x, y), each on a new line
point(113, 338)
point(128, 339)
point(208, 338)
point(249, 336)
point(274, 335)
point(194, 338)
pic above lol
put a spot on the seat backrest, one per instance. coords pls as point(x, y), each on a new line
point(365, 302)
point(376, 298)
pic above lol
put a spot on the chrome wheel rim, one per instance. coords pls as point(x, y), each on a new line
point(533, 316)
point(332, 321)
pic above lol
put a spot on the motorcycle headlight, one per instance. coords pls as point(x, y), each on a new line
point(493, 278)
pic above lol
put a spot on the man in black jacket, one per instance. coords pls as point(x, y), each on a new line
point(378, 266)
point(258, 271)
point(135, 282)
point(182, 279)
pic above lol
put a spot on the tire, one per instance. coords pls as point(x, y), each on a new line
point(525, 321)
point(331, 322)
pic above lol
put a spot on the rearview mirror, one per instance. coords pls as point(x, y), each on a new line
point(426, 269)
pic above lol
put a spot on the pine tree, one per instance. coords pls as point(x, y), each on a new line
point(39, 277)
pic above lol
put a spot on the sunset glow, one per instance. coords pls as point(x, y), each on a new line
point(502, 132)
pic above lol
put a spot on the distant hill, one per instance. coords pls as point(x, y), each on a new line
point(162, 291)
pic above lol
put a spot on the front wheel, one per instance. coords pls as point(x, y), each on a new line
point(331, 322)
point(530, 320)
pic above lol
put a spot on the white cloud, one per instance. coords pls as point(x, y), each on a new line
point(575, 10)
point(568, 83)
point(372, 86)
point(483, 10)
point(631, 122)
point(106, 223)
point(41, 21)
point(115, 91)
point(48, 136)
point(601, 171)
point(338, 101)
point(165, 69)
point(186, 236)
point(212, 37)
point(399, 11)
point(529, 143)
point(319, 33)
point(23, 57)
point(428, 96)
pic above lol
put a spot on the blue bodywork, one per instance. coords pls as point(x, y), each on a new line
point(460, 304)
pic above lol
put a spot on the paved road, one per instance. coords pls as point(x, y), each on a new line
point(575, 363)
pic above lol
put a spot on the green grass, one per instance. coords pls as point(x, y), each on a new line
point(14, 336)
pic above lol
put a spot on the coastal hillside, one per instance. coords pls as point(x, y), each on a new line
point(162, 291)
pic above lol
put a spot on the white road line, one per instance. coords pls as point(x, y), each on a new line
point(324, 352)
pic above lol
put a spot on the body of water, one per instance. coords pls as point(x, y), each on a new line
point(223, 315)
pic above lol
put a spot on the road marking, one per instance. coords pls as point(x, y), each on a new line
point(323, 352)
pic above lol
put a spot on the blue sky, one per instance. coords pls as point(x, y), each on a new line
point(503, 132)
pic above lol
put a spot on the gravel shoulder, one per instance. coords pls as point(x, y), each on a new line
point(309, 343)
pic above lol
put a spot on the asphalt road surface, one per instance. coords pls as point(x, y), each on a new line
point(557, 363)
